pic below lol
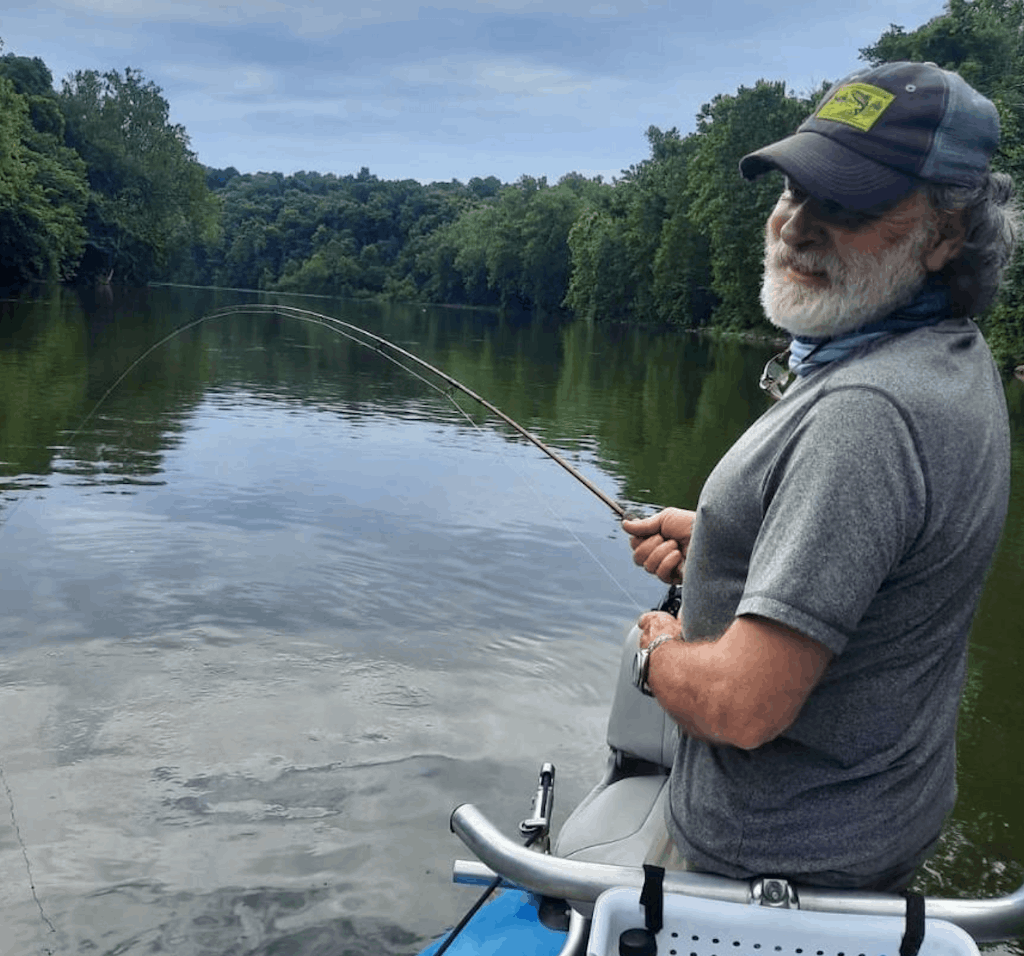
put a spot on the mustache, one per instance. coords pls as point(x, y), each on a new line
point(782, 258)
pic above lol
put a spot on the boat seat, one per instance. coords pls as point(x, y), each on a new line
point(637, 726)
point(617, 822)
point(623, 817)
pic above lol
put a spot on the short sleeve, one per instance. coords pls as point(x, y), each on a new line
point(843, 500)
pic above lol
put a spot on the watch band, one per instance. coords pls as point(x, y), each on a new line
point(658, 641)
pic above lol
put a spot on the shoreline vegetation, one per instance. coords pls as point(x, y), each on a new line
point(97, 186)
point(766, 334)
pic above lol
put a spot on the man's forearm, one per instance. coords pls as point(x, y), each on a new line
point(743, 689)
point(689, 687)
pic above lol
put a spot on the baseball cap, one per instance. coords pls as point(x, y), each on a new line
point(878, 132)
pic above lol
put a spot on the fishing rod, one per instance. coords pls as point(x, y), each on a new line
point(384, 348)
point(387, 350)
point(672, 600)
point(378, 343)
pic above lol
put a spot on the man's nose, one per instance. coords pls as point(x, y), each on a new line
point(802, 228)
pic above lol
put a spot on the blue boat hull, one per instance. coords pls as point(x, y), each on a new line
point(507, 926)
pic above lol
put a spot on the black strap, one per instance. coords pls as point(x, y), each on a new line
point(914, 934)
point(652, 897)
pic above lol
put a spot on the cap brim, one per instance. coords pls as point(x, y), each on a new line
point(830, 171)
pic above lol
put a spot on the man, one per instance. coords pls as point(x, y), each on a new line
point(837, 553)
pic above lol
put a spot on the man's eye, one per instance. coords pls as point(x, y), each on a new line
point(835, 212)
point(848, 218)
point(830, 211)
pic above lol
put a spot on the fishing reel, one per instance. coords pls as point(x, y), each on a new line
point(672, 601)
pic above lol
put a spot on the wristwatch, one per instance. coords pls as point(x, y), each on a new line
point(642, 663)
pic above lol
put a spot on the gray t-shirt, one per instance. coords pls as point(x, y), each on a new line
point(862, 510)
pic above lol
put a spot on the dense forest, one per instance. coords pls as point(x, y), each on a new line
point(97, 185)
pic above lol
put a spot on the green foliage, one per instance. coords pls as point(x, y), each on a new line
point(31, 77)
point(983, 41)
point(332, 269)
point(729, 212)
point(635, 253)
point(325, 234)
point(513, 249)
point(219, 178)
point(527, 254)
point(148, 194)
point(484, 243)
point(980, 40)
point(42, 187)
point(678, 238)
point(599, 285)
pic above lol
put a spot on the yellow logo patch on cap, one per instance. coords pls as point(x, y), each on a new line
point(857, 104)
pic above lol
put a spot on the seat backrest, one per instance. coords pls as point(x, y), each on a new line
point(637, 724)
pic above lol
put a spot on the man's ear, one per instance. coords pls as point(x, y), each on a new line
point(947, 242)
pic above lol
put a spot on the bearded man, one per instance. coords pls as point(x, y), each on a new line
point(837, 554)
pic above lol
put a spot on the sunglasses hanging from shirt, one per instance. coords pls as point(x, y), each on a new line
point(777, 373)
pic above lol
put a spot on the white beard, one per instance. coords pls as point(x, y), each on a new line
point(862, 287)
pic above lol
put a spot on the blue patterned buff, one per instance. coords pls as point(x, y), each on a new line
point(928, 307)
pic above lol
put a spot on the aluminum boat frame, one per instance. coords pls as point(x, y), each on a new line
point(642, 743)
point(581, 883)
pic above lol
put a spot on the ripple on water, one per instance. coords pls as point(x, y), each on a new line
point(252, 766)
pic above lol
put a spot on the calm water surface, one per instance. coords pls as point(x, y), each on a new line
point(276, 607)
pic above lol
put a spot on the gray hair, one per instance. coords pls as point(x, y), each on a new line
point(992, 219)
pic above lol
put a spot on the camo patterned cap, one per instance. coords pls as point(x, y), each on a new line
point(879, 132)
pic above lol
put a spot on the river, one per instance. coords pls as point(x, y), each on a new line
point(271, 607)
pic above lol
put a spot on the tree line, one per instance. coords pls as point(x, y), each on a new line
point(96, 183)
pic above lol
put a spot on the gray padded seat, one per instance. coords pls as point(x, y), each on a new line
point(622, 818)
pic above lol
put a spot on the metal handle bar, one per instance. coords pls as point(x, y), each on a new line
point(986, 920)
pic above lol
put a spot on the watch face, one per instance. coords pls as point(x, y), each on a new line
point(638, 667)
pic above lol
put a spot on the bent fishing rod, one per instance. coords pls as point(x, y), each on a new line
point(394, 354)
point(383, 347)
point(672, 600)
point(378, 344)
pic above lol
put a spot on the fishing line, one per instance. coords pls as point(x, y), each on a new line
point(24, 853)
point(475, 908)
point(347, 330)
point(379, 345)
point(339, 324)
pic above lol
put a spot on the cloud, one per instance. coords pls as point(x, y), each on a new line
point(476, 78)
point(448, 89)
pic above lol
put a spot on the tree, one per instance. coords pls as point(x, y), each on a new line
point(484, 188)
point(31, 77)
point(219, 178)
point(332, 269)
point(508, 250)
point(42, 194)
point(148, 193)
point(657, 217)
point(600, 285)
point(983, 41)
point(636, 253)
point(729, 212)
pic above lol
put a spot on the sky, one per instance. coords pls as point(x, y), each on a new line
point(491, 88)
